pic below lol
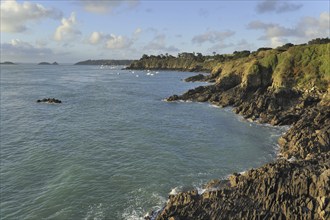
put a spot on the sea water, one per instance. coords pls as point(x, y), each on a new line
point(113, 149)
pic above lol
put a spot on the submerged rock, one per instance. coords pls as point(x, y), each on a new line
point(50, 100)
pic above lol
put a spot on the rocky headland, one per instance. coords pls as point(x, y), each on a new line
point(288, 85)
point(7, 63)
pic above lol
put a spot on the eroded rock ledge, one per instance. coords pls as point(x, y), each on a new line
point(280, 190)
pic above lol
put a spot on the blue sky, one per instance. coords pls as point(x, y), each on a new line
point(71, 31)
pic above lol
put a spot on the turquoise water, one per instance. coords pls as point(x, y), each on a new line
point(113, 149)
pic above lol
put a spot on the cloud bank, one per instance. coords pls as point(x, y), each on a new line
point(20, 49)
point(276, 6)
point(16, 16)
point(105, 6)
point(158, 44)
point(306, 29)
point(212, 37)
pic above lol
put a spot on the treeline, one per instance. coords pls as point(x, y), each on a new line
point(105, 62)
point(199, 57)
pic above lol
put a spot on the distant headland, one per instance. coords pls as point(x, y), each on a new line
point(105, 62)
point(46, 63)
point(7, 63)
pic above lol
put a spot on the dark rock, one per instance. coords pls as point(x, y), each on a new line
point(172, 98)
point(50, 100)
point(199, 77)
point(280, 190)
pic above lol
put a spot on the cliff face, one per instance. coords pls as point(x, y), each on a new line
point(289, 87)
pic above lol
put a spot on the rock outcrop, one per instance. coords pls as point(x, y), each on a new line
point(49, 100)
point(281, 190)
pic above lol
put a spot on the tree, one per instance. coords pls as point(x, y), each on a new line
point(145, 57)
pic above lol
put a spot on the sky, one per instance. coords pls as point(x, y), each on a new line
point(75, 30)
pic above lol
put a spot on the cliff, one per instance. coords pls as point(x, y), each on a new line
point(284, 86)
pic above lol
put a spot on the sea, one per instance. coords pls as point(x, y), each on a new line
point(113, 149)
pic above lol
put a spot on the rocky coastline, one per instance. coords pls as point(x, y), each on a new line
point(284, 86)
point(287, 86)
point(296, 186)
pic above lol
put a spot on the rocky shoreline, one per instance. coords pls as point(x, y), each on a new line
point(289, 86)
point(296, 186)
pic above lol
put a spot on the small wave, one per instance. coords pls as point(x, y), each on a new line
point(214, 106)
point(95, 212)
point(138, 207)
point(175, 191)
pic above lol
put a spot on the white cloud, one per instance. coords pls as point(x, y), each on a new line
point(118, 42)
point(67, 30)
point(158, 44)
point(104, 6)
point(113, 41)
point(19, 49)
point(277, 41)
point(276, 6)
point(306, 29)
point(96, 37)
point(16, 16)
point(315, 27)
point(137, 31)
point(244, 45)
point(212, 37)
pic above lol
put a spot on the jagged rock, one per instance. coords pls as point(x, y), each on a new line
point(280, 190)
point(172, 98)
point(199, 77)
point(49, 100)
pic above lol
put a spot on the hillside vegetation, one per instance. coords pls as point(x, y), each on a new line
point(301, 67)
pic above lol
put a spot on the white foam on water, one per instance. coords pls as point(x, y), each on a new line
point(95, 212)
point(136, 205)
point(200, 190)
point(175, 190)
point(214, 106)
